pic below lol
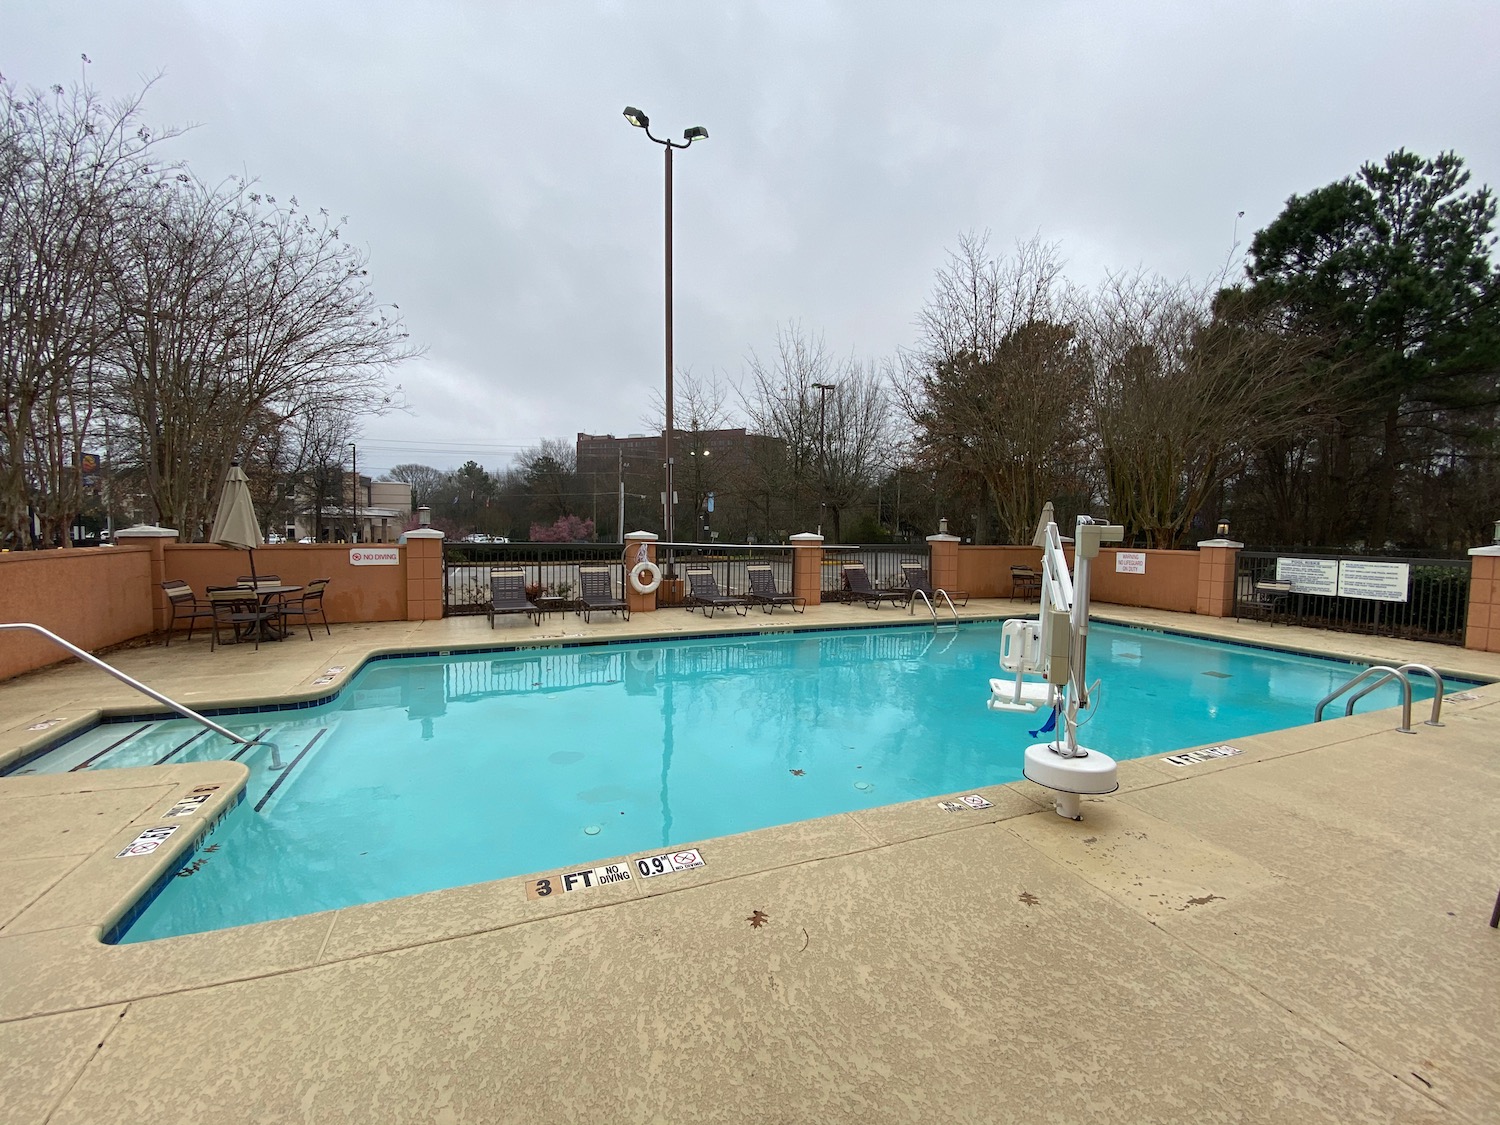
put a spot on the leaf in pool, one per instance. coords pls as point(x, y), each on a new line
point(212, 848)
point(758, 919)
point(797, 773)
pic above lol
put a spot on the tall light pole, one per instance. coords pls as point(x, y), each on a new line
point(354, 472)
point(696, 133)
point(822, 389)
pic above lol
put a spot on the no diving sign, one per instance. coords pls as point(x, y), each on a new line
point(567, 882)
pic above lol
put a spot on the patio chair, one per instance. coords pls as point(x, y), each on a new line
point(185, 607)
point(508, 595)
point(1025, 583)
point(596, 593)
point(857, 582)
point(1267, 602)
point(309, 602)
point(763, 591)
point(918, 583)
point(704, 594)
point(238, 608)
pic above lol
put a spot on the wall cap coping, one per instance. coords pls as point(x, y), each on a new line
point(944, 539)
point(146, 531)
point(1220, 543)
point(1492, 549)
point(644, 536)
point(806, 537)
point(423, 533)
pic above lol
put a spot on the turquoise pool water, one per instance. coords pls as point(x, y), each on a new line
point(434, 772)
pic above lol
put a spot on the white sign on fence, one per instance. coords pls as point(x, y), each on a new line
point(1130, 562)
point(374, 556)
point(1374, 581)
point(1309, 576)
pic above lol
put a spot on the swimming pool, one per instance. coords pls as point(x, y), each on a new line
point(430, 772)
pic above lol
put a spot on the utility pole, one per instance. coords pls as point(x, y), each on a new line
point(354, 472)
point(822, 389)
point(620, 478)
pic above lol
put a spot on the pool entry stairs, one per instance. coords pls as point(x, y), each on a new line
point(164, 742)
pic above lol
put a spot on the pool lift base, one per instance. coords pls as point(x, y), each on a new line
point(1088, 773)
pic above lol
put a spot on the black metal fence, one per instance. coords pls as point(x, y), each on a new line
point(727, 562)
point(1435, 608)
point(551, 570)
point(883, 562)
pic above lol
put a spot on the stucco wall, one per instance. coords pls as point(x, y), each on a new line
point(1170, 581)
point(92, 596)
point(355, 593)
point(984, 572)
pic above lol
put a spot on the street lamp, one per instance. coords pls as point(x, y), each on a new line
point(822, 389)
point(696, 133)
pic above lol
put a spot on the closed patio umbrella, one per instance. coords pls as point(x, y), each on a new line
point(235, 524)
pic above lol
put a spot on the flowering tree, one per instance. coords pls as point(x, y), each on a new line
point(568, 529)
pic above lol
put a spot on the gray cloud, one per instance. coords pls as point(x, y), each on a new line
point(516, 218)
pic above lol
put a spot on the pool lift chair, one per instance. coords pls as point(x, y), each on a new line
point(1055, 647)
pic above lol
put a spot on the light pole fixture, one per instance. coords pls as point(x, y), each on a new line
point(696, 133)
point(1222, 531)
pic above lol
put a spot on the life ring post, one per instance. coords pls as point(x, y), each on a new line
point(642, 574)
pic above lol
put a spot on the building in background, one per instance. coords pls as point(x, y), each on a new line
point(371, 512)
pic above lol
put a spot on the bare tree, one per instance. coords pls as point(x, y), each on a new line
point(700, 406)
point(829, 445)
point(1181, 394)
point(996, 386)
point(237, 313)
point(72, 169)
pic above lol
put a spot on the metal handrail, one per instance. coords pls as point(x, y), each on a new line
point(1437, 697)
point(931, 607)
point(1385, 674)
point(90, 658)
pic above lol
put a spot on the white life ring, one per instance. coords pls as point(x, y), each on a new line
point(645, 577)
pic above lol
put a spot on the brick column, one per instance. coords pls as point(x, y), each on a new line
point(424, 574)
point(943, 566)
point(634, 542)
point(1483, 631)
point(807, 567)
point(156, 538)
point(1216, 559)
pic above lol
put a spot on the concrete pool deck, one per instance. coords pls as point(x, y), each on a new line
point(1296, 934)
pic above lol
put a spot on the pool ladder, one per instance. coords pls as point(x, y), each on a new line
point(932, 607)
point(1386, 675)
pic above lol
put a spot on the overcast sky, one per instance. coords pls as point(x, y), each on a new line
point(508, 208)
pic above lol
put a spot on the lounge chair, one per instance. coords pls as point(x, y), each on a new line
point(1025, 583)
point(185, 606)
point(596, 592)
point(857, 582)
point(918, 583)
point(305, 605)
point(703, 593)
point(508, 594)
point(763, 591)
